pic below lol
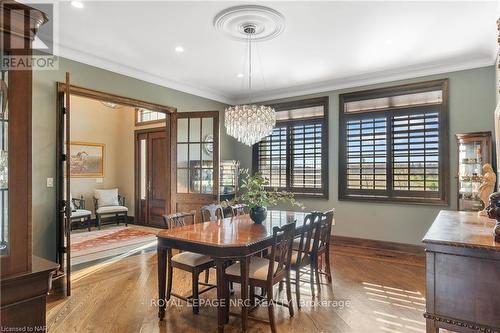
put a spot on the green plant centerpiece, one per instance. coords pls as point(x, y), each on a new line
point(255, 195)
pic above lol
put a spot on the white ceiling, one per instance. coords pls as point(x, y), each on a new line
point(326, 45)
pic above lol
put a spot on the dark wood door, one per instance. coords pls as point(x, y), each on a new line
point(151, 176)
point(194, 160)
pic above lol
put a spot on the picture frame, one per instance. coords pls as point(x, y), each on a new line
point(87, 159)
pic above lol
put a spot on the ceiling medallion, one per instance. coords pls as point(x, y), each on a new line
point(268, 23)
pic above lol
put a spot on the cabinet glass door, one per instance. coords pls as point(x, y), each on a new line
point(4, 167)
point(470, 163)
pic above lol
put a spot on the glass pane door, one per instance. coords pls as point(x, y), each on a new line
point(470, 172)
point(4, 166)
point(195, 163)
point(195, 155)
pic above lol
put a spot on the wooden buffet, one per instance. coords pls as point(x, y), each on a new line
point(463, 274)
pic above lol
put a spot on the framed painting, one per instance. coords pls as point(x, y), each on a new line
point(87, 159)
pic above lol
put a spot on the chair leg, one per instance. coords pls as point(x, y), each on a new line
point(207, 275)
point(327, 263)
point(227, 300)
point(125, 217)
point(98, 216)
point(170, 274)
point(316, 271)
point(88, 223)
point(252, 294)
point(311, 276)
point(270, 309)
point(195, 299)
point(297, 286)
point(117, 219)
point(289, 294)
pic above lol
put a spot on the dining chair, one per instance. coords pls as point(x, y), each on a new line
point(321, 244)
point(191, 262)
point(302, 254)
point(267, 272)
point(211, 212)
point(239, 209)
point(312, 244)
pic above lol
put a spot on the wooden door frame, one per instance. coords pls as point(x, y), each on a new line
point(137, 132)
point(106, 97)
point(173, 152)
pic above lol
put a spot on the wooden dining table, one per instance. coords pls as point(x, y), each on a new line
point(233, 238)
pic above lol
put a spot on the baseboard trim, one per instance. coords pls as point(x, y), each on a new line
point(417, 250)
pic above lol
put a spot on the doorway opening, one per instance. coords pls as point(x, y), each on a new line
point(97, 189)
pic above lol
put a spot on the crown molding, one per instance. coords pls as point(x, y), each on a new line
point(402, 73)
point(95, 61)
point(385, 76)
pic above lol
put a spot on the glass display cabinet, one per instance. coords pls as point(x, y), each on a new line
point(229, 171)
point(474, 150)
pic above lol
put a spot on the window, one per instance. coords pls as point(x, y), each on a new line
point(394, 144)
point(294, 157)
point(145, 116)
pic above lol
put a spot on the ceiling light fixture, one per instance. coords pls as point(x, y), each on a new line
point(240, 75)
point(77, 4)
point(111, 105)
point(249, 123)
point(179, 49)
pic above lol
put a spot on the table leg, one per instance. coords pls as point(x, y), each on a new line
point(244, 267)
point(221, 297)
point(162, 277)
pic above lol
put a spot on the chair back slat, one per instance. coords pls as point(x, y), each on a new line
point(281, 251)
point(307, 235)
point(178, 219)
point(323, 231)
point(239, 209)
point(212, 212)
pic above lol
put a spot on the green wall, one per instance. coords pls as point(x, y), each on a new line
point(472, 102)
point(44, 132)
point(471, 107)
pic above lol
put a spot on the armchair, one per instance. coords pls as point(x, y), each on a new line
point(109, 202)
point(78, 212)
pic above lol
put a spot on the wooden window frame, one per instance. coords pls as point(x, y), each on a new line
point(389, 195)
point(149, 122)
point(323, 192)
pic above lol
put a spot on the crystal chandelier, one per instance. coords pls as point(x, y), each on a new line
point(249, 123)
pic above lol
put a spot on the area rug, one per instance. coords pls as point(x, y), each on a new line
point(104, 243)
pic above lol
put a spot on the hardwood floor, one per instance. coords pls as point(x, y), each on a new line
point(369, 294)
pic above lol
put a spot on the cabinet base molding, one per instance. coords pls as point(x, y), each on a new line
point(461, 323)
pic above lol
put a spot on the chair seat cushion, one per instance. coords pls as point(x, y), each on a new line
point(191, 259)
point(258, 270)
point(111, 209)
point(80, 213)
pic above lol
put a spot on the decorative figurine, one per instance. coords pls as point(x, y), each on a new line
point(494, 213)
point(487, 186)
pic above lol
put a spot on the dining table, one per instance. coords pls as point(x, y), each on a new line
point(232, 238)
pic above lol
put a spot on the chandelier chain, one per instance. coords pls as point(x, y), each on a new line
point(250, 68)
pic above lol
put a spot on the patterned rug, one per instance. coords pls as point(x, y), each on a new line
point(102, 240)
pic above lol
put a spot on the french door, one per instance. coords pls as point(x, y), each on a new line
point(151, 176)
point(63, 181)
point(195, 160)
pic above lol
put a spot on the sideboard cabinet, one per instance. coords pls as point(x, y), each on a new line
point(463, 274)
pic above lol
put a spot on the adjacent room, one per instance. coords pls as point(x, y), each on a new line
point(280, 166)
